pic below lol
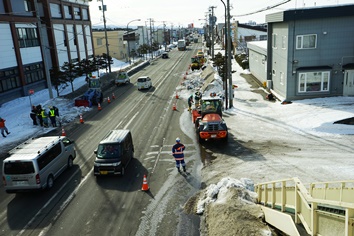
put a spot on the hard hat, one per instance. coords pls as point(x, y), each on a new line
point(178, 140)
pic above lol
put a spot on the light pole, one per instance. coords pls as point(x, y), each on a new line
point(105, 33)
point(128, 38)
point(226, 66)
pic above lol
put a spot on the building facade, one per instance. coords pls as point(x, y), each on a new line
point(311, 52)
point(116, 45)
point(32, 44)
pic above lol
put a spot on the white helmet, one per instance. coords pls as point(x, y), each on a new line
point(178, 140)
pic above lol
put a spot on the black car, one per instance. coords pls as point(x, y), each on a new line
point(165, 55)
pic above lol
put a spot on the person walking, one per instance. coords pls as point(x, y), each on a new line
point(52, 116)
point(3, 128)
point(190, 101)
point(177, 152)
point(33, 115)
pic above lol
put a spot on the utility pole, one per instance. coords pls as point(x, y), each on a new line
point(42, 33)
point(212, 23)
point(231, 94)
point(226, 66)
point(164, 35)
point(104, 8)
point(152, 53)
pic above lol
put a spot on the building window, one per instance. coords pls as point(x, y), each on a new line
point(77, 13)
point(281, 78)
point(9, 79)
point(314, 81)
point(27, 37)
point(55, 10)
point(34, 73)
point(27, 5)
point(306, 41)
point(283, 42)
point(84, 14)
point(274, 41)
point(67, 12)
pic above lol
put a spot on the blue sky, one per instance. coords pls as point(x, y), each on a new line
point(184, 12)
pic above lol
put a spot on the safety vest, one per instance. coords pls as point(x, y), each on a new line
point(51, 112)
point(177, 151)
point(43, 114)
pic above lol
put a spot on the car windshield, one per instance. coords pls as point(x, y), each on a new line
point(106, 151)
point(142, 80)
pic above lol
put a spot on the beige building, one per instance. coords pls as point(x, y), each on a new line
point(117, 46)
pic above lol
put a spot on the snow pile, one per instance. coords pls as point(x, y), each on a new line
point(218, 192)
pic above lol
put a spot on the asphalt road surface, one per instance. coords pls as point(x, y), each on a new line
point(81, 204)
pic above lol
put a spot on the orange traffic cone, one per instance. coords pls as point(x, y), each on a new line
point(186, 72)
point(81, 119)
point(174, 107)
point(184, 77)
point(177, 95)
point(108, 100)
point(114, 97)
point(99, 106)
point(145, 186)
point(63, 132)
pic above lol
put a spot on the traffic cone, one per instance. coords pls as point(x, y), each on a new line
point(174, 107)
point(108, 100)
point(177, 95)
point(99, 106)
point(81, 119)
point(145, 186)
point(184, 77)
point(186, 72)
point(63, 132)
point(114, 97)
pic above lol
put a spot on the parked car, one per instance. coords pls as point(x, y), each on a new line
point(165, 55)
point(144, 82)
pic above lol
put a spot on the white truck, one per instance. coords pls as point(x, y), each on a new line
point(181, 45)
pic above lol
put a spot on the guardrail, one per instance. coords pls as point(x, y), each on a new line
point(325, 208)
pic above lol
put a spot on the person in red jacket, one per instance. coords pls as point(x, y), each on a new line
point(177, 152)
point(3, 127)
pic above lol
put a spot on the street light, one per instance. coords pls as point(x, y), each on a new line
point(128, 38)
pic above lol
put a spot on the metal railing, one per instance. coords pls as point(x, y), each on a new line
point(325, 208)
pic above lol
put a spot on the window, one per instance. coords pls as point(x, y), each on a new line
point(9, 79)
point(77, 13)
point(67, 12)
point(27, 5)
point(281, 77)
point(49, 156)
point(314, 81)
point(34, 73)
point(55, 10)
point(84, 14)
point(27, 37)
point(99, 41)
point(274, 41)
point(306, 41)
point(283, 42)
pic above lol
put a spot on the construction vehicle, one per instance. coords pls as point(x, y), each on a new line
point(207, 118)
point(93, 95)
point(195, 65)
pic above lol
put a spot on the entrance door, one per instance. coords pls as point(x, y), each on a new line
point(348, 88)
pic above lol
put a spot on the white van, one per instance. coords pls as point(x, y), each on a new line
point(122, 78)
point(36, 163)
point(144, 82)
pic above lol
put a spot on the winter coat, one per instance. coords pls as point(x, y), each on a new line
point(177, 151)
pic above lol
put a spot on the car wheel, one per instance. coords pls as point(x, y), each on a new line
point(50, 182)
point(70, 162)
